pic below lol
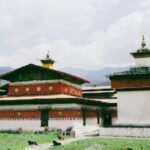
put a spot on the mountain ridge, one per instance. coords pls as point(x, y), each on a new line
point(96, 77)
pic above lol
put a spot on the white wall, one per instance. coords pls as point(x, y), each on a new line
point(134, 107)
point(58, 123)
point(15, 124)
point(114, 120)
point(126, 132)
point(142, 61)
point(63, 124)
point(91, 121)
point(35, 124)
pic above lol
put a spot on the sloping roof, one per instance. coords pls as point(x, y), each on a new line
point(134, 72)
point(32, 72)
point(140, 54)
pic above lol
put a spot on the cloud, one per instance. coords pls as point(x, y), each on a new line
point(145, 3)
point(22, 19)
point(32, 28)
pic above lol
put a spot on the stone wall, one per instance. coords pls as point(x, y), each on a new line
point(125, 132)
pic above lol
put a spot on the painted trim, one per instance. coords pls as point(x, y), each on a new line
point(45, 82)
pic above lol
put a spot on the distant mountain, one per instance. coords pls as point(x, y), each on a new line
point(98, 77)
point(5, 69)
point(2, 71)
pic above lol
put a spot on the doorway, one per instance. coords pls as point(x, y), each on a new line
point(44, 118)
point(107, 118)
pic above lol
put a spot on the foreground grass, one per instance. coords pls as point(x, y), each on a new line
point(100, 143)
point(11, 141)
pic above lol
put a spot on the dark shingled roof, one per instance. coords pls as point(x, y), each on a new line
point(133, 72)
point(141, 54)
point(36, 72)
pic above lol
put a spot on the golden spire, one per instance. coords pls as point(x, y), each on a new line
point(143, 48)
point(143, 44)
point(47, 56)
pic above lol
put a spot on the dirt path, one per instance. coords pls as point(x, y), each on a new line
point(48, 145)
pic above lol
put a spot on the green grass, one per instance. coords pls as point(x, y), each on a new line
point(11, 141)
point(101, 143)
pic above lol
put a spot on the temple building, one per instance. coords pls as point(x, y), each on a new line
point(133, 90)
point(40, 96)
point(103, 94)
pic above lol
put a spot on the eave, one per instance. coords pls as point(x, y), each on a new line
point(129, 76)
point(140, 54)
point(81, 101)
point(134, 89)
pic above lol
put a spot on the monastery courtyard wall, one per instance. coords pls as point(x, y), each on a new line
point(125, 132)
point(35, 124)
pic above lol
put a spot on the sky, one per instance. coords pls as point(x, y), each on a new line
point(84, 34)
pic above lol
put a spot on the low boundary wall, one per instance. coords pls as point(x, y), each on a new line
point(125, 132)
point(35, 124)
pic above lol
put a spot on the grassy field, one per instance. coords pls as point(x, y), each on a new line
point(107, 144)
point(11, 141)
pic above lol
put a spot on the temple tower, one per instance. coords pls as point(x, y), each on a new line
point(133, 90)
point(142, 55)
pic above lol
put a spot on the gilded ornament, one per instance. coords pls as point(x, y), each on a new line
point(50, 88)
point(27, 89)
point(16, 90)
point(38, 88)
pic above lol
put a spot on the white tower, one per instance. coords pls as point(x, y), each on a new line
point(133, 90)
point(142, 55)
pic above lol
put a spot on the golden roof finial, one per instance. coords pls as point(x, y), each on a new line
point(47, 62)
point(143, 44)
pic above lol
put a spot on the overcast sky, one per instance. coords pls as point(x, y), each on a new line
point(86, 34)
